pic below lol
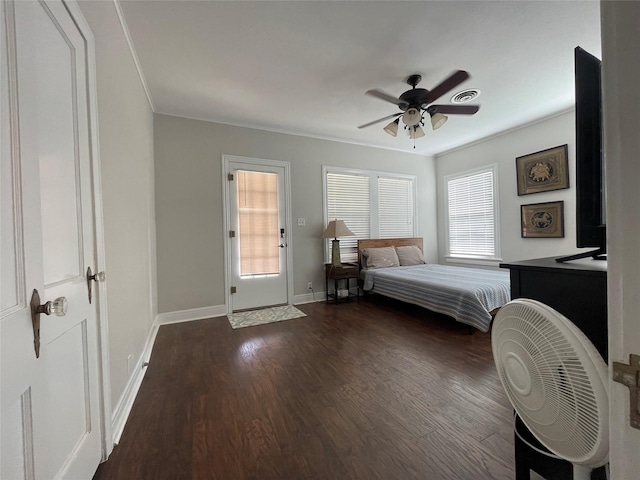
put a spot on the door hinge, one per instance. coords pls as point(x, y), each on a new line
point(232, 233)
point(234, 289)
point(230, 177)
point(629, 375)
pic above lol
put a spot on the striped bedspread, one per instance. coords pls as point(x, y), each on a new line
point(466, 294)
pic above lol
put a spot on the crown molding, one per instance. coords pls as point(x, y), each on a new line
point(132, 50)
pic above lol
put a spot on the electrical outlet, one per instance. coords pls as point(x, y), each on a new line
point(309, 286)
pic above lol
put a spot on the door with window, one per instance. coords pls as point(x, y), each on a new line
point(258, 239)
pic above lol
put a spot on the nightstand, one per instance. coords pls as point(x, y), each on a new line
point(344, 274)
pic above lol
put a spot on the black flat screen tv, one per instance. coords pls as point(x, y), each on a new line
point(590, 171)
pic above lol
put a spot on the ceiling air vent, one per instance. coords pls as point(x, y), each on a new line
point(465, 96)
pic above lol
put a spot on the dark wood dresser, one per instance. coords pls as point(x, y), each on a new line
point(578, 290)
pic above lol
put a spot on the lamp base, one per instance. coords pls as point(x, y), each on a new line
point(335, 253)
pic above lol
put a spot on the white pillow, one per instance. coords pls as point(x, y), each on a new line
point(410, 255)
point(381, 257)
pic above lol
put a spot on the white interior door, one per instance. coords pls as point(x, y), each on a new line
point(50, 407)
point(621, 76)
point(258, 245)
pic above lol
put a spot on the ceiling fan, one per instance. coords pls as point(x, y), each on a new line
point(415, 102)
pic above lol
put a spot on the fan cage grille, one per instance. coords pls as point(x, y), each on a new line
point(562, 407)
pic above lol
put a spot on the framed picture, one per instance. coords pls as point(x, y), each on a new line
point(543, 171)
point(542, 220)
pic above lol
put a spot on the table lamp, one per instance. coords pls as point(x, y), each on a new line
point(335, 229)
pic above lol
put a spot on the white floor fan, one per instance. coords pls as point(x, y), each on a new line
point(556, 381)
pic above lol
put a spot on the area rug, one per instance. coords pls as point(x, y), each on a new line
point(266, 315)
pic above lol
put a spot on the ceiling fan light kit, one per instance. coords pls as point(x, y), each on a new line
point(412, 117)
point(437, 120)
point(392, 128)
point(416, 132)
point(415, 102)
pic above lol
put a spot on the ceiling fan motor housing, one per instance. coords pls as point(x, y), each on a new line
point(416, 98)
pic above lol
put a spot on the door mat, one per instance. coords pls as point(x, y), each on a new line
point(266, 315)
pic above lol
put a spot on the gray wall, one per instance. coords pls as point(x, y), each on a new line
point(503, 150)
point(126, 152)
point(188, 156)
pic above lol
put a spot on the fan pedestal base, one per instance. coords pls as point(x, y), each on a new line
point(549, 468)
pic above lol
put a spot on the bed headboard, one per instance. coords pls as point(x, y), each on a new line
point(386, 242)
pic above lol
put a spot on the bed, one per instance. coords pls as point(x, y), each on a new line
point(470, 295)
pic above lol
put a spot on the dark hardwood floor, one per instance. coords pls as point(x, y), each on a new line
point(370, 390)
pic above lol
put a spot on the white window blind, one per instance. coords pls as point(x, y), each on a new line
point(348, 200)
point(395, 207)
point(471, 214)
point(372, 205)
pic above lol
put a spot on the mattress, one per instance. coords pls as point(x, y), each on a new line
point(466, 294)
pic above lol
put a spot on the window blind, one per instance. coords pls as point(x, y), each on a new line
point(258, 223)
point(471, 215)
point(395, 207)
point(348, 200)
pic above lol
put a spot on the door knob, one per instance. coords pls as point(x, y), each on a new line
point(58, 307)
point(97, 277)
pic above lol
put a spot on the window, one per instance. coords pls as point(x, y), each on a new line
point(395, 207)
point(258, 223)
point(372, 204)
point(471, 199)
point(347, 199)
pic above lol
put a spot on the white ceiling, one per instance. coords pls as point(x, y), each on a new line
point(304, 67)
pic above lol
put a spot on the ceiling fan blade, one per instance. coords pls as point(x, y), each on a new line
point(454, 109)
point(453, 81)
point(381, 120)
point(385, 96)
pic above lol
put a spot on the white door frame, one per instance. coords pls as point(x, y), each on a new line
point(104, 382)
point(226, 207)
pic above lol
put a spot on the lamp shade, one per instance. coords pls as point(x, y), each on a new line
point(437, 120)
point(392, 128)
point(337, 228)
point(416, 132)
point(412, 117)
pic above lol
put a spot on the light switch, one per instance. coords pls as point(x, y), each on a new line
point(301, 222)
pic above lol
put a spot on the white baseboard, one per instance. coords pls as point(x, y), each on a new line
point(123, 408)
point(191, 314)
point(309, 298)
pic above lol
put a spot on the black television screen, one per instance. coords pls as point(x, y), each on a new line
point(590, 179)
